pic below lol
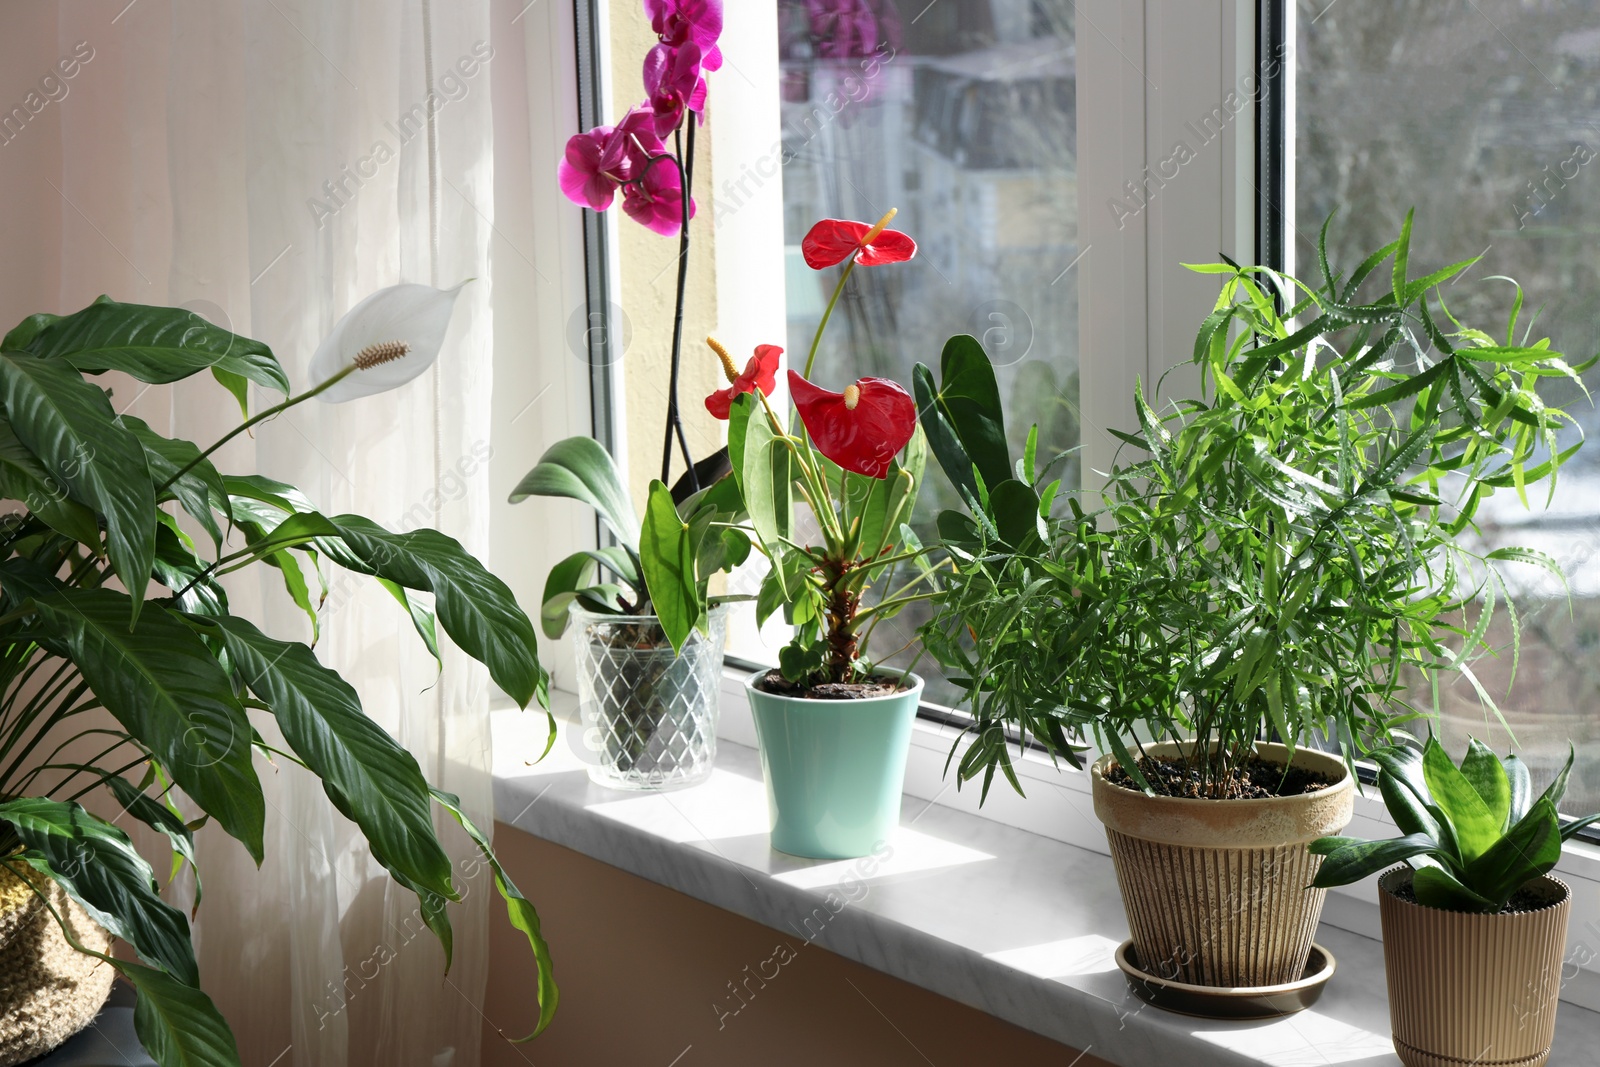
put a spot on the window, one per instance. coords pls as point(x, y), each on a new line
point(962, 116)
point(1482, 115)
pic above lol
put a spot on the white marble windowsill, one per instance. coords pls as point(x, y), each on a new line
point(1012, 923)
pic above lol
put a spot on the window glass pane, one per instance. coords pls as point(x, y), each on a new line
point(961, 113)
point(1482, 114)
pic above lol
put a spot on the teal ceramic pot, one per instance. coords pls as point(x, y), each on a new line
point(834, 768)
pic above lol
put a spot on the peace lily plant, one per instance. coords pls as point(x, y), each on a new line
point(124, 671)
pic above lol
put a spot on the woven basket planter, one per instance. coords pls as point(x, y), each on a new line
point(1472, 989)
point(48, 989)
point(1215, 889)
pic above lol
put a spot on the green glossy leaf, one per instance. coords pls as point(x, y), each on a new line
point(561, 587)
point(98, 866)
point(969, 398)
point(1531, 848)
point(767, 484)
point(177, 1024)
point(1482, 769)
point(1521, 783)
point(1015, 507)
point(199, 490)
point(153, 344)
point(68, 424)
point(1436, 887)
point(668, 558)
point(1406, 810)
point(1402, 256)
point(24, 478)
point(476, 608)
point(163, 821)
point(165, 687)
point(942, 438)
point(1476, 827)
point(579, 469)
point(1354, 860)
point(519, 910)
point(373, 782)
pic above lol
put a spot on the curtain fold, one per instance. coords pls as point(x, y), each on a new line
point(267, 163)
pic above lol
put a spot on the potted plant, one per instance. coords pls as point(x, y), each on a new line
point(1474, 926)
point(1269, 565)
point(833, 729)
point(648, 690)
point(119, 656)
point(648, 667)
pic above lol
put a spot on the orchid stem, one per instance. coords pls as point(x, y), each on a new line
point(685, 160)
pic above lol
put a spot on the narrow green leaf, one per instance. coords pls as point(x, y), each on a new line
point(1353, 861)
point(165, 687)
point(1475, 825)
point(521, 913)
point(476, 608)
point(68, 424)
point(668, 560)
point(577, 468)
point(98, 866)
point(371, 780)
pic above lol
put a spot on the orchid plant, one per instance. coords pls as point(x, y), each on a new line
point(113, 613)
point(855, 460)
point(632, 159)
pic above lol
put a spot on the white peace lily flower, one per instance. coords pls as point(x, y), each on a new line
point(393, 335)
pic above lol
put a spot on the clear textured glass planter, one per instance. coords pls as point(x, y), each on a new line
point(649, 716)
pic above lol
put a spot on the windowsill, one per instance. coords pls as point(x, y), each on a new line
point(1013, 923)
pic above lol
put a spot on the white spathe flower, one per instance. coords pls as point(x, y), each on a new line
point(393, 335)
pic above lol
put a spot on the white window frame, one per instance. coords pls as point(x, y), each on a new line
point(1144, 69)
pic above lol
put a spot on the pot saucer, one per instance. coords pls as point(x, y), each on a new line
point(1218, 1002)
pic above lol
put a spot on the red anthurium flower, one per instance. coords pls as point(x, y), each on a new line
point(656, 200)
point(833, 241)
point(760, 373)
point(861, 429)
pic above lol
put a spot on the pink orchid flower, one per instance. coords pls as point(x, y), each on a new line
point(679, 22)
point(656, 199)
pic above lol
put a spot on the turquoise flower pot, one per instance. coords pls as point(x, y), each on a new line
point(834, 769)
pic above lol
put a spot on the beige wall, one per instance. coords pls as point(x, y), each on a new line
point(640, 968)
point(649, 289)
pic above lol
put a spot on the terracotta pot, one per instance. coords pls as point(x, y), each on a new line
point(48, 990)
point(1475, 989)
point(1215, 889)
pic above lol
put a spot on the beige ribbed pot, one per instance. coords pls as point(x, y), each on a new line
point(1215, 890)
point(1472, 989)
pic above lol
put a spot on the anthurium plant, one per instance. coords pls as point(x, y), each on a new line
point(112, 613)
point(1281, 557)
point(1474, 835)
point(855, 461)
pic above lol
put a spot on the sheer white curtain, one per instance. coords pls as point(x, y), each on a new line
point(267, 163)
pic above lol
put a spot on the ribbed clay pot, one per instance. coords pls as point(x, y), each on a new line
point(1215, 889)
point(1466, 988)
